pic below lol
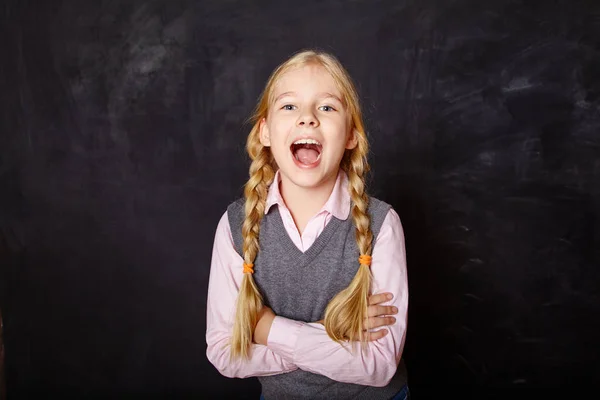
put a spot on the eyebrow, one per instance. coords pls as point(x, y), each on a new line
point(326, 95)
point(323, 95)
point(282, 95)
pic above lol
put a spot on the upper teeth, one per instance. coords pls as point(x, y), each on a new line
point(307, 141)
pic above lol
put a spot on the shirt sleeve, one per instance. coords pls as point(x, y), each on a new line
point(308, 346)
point(223, 287)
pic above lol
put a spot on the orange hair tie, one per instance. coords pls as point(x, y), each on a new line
point(364, 260)
point(248, 268)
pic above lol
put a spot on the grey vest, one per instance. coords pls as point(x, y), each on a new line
point(299, 286)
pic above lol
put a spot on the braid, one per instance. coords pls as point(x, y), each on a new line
point(250, 300)
point(346, 312)
point(360, 201)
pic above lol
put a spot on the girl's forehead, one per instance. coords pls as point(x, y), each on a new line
point(306, 78)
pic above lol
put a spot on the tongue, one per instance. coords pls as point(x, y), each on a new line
point(307, 155)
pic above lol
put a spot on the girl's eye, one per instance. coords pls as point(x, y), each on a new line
point(326, 108)
point(288, 107)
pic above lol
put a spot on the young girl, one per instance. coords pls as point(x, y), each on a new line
point(297, 261)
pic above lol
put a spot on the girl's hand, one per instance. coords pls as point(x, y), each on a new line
point(378, 316)
point(263, 326)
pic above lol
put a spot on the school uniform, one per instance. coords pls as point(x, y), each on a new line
point(298, 275)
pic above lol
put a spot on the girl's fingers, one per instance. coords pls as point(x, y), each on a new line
point(379, 298)
point(372, 336)
point(376, 311)
point(377, 322)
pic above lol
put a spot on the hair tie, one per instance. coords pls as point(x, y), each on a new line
point(248, 268)
point(364, 260)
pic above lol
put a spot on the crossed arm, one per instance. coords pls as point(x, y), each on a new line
point(379, 315)
point(283, 345)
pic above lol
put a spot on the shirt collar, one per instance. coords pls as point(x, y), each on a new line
point(337, 205)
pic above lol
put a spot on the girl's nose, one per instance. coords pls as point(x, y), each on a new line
point(308, 119)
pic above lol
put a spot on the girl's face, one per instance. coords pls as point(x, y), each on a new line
point(307, 127)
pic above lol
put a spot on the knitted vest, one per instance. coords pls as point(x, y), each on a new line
point(299, 286)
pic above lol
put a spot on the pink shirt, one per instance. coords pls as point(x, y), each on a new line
point(294, 344)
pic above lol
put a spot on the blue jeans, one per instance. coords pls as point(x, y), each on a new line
point(403, 394)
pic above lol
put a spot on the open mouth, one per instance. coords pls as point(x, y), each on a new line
point(306, 151)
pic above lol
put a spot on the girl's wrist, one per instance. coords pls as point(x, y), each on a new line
point(263, 327)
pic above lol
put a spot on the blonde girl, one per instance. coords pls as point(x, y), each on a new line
point(297, 262)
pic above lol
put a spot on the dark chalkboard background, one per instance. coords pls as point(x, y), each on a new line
point(122, 126)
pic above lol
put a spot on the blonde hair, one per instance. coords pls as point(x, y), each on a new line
point(346, 313)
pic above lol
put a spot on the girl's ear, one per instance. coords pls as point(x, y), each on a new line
point(352, 140)
point(265, 138)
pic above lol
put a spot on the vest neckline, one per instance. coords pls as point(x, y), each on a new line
point(317, 246)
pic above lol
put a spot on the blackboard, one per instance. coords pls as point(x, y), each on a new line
point(122, 142)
